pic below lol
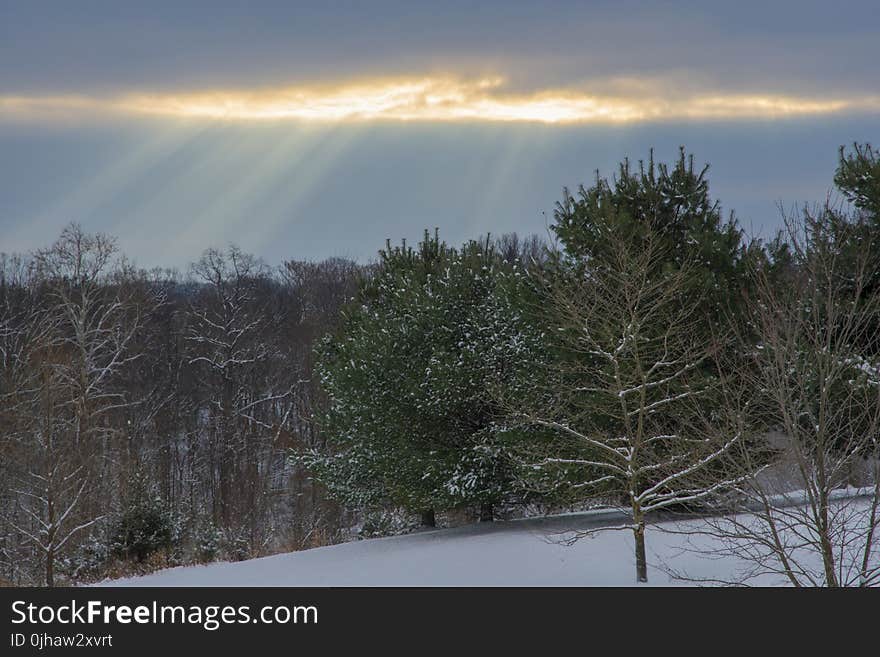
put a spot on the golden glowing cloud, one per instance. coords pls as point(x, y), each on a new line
point(439, 98)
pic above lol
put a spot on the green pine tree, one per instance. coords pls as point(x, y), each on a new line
point(413, 418)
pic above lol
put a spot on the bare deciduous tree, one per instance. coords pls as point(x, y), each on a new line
point(633, 365)
point(809, 386)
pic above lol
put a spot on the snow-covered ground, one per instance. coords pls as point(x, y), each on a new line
point(516, 553)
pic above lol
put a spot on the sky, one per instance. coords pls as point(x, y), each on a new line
point(309, 130)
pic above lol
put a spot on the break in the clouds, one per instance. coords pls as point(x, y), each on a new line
point(312, 129)
point(445, 98)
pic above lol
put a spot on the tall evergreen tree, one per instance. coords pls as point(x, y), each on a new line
point(410, 375)
point(657, 201)
point(858, 179)
point(606, 233)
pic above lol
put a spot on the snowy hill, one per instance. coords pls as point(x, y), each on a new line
point(517, 553)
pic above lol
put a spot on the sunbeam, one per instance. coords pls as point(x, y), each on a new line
point(97, 190)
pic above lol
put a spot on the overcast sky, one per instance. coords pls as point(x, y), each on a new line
point(309, 131)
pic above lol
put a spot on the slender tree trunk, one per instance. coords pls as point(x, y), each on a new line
point(52, 528)
point(487, 512)
point(825, 542)
point(641, 560)
point(50, 568)
point(428, 518)
point(869, 540)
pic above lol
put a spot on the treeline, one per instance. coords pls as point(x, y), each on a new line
point(146, 418)
point(649, 356)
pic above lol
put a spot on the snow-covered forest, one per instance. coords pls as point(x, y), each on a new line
point(648, 357)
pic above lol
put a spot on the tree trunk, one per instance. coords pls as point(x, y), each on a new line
point(428, 518)
point(50, 568)
point(487, 512)
point(828, 559)
point(51, 532)
point(641, 561)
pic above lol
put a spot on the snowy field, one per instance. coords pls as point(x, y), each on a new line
point(517, 553)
